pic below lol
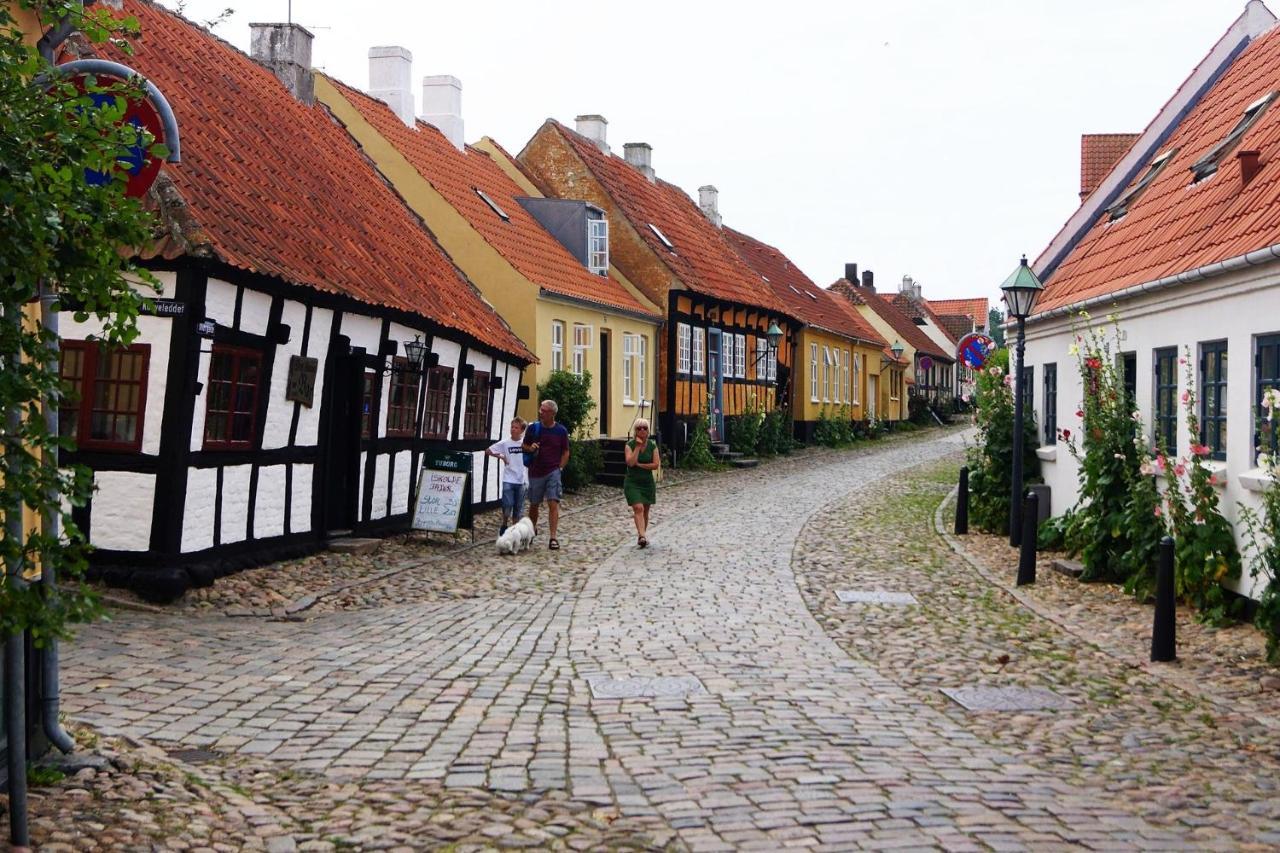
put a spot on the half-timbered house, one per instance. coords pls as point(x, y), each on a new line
point(271, 401)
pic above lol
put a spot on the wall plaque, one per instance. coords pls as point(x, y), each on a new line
point(301, 387)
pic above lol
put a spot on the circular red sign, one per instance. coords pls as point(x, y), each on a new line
point(973, 350)
point(141, 167)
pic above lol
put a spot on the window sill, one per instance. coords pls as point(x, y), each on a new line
point(1216, 468)
point(1256, 480)
point(1048, 454)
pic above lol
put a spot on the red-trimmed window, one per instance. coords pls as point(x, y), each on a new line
point(402, 407)
point(231, 398)
point(108, 395)
point(435, 421)
point(368, 403)
point(477, 418)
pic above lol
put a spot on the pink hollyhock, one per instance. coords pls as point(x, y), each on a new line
point(1079, 413)
point(1213, 479)
point(1179, 469)
point(1159, 512)
point(1200, 449)
point(1066, 433)
point(1185, 396)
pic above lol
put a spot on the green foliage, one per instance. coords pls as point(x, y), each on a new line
point(697, 455)
point(59, 232)
point(572, 394)
point(1264, 535)
point(586, 459)
point(995, 322)
point(775, 434)
point(918, 409)
point(43, 777)
point(990, 473)
point(744, 429)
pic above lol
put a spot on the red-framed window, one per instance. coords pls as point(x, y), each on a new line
point(368, 403)
point(108, 395)
point(231, 398)
point(476, 422)
point(435, 420)
point(402, 406)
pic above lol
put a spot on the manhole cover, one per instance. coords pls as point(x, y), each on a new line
point(874, 596)
point(636, 688)
point(193, 756)
point(1007, 699)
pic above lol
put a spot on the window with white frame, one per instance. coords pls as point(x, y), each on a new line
point(773, 364)
point(726, 354)
point(628, 367)
point(835, 376)
point(598, 246)
point(642, 359)
point(856, 389)
point(683, 346)
point(740, 354)
point(813, 373)
point(557, 345)
point(762, 359)
point(699, 351)
point(826, 374)
point(581, 343)
point(848, 391)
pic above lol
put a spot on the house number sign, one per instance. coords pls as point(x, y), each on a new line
point(301, 387)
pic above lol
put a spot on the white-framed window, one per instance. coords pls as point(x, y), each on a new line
point(848, 391)
point(856, 388)
point(773, 364)
point(628, 367)
point(699, 351)
point(557, 345)
point(683, 346)
point(642, 359)
point(726, 354)
point(762, 358)
point(813, 373)
point(741, 355)
point(581, 343)
point(826, 374)
point(835, 376)
point(598, 246)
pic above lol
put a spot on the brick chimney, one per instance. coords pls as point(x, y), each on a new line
point(442, 106)
point(391, 80)
point(1099, 153)
point(640, 155)
point(595, 128)
point(709, 202)
point(286, 50)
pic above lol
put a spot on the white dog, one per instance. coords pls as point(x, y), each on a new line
point(518, 537)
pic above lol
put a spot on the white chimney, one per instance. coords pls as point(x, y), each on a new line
point(594, 127)
point(640, 155)
point(442, 106)
point(286, 50)
point(391, 79)
point(709, 201)
point(910, 287)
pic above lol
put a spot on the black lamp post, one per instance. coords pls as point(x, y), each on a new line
point(1021, 290)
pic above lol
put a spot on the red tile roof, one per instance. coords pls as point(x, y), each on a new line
point(703, 260)
point(919, 309)
point(276, 187)
point(1099, 152)
point(456, 175)
point(1174, 226)
point(978, 308)
point(957, 325)
point(805, 301)
point(912, 335)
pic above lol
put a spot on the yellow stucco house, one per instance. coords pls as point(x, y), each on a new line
point(542, 263)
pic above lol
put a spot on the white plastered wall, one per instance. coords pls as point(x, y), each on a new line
point(122, 510)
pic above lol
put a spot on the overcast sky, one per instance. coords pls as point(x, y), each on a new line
point(934, 138)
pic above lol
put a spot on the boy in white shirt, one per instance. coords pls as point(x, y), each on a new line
point(515, 478)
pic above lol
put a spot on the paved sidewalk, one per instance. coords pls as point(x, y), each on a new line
point(788, 739)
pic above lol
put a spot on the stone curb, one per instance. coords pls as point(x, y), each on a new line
point(1159, 672)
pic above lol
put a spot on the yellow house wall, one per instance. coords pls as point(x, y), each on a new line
point(804, 407)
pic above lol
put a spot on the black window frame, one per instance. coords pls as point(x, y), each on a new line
point(1029, 389)
point(1213, 417)
point(1164, 418)
point(1050, 385)
point(1266, 374)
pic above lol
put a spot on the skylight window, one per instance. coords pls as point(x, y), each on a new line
point(793, 289)
point(493, 205)
point(1209, 163)
point(1121, 206)
point(811, 295)
point(663, 237)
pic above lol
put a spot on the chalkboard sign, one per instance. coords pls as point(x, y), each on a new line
point(441, 496)
point(457, 462)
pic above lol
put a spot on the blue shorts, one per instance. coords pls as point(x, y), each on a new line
point(545, 488)
point(513, 500)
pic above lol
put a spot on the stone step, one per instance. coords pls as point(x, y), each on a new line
point(727, 456)
point(718, 448)
point(354, 545)
point(744, 463)
point(609, 478)
point(1070, 568)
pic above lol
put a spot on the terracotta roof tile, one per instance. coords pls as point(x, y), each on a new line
point(804, 300)
point(276, 187)
point(1175, 226)
point(919, 309)
point(1099, 153)
point(978, 308)
point(456, 175)
point(703, 260)
point(912, 334)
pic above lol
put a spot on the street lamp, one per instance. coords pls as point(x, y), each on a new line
point(1021, 290)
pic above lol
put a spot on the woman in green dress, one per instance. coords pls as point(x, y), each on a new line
point(639, 486)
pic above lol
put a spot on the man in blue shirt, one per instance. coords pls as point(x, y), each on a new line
point(548, 441)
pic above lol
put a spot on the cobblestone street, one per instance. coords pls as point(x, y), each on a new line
point(711, 692)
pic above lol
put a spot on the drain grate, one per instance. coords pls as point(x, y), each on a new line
point(875, 596)
point(647, 688)
point(194, 756)
point(1007, 699)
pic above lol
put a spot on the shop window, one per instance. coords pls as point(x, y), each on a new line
point(435, 420)
point(477, 419)
point(402, 404)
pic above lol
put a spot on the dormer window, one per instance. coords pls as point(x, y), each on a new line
point(1121, 207)
point(598, 246)
point(1209, 163)
point(493, 205)
point(663, 237)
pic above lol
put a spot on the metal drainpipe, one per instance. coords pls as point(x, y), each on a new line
point(51, 522)
point(15, 698)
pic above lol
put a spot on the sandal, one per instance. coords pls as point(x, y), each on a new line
point(554, 545)
point(642, 542)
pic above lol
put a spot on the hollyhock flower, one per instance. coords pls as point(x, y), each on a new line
point(995, 370)
point(1066, 434)
point(1159, 512)
point(1200, 449)
point(1159, 463)
point(1264, 460)
point(1181, 360)
point(1118, 455)
point(1137, 416)
point(1146, 469)
point(1213, 479)
point(1093, 363)
point(1179, 469)
point(1008, 381)
point(1079, 413)
point(1186, 396)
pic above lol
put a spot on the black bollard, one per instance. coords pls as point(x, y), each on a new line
point(962, 503)
point(1030, 525)
point(1165, 627)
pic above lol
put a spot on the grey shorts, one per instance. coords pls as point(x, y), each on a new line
point(545, 488)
